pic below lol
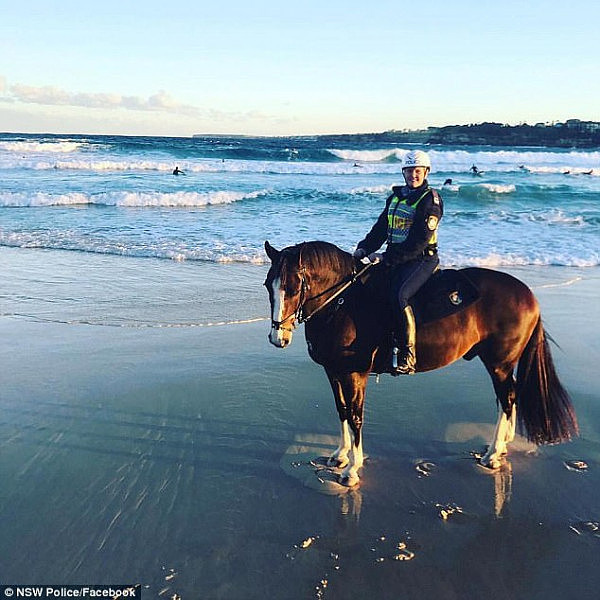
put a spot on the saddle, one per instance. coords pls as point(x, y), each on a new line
point(446, 292)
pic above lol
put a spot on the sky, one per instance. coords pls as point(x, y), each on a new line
point(279, 68)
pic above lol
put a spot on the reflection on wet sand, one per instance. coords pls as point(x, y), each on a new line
point(503, 479)
point(351, 504)
point(306, 460)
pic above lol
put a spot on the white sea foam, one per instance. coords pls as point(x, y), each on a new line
point(130, 324)
point(492, 188)
point(455, 160)
point(565, 169)
point(64, 156)
point(557, 217)
point(451, 187)
point(453, 255)
point(499, 189)
point(200, 166)
point(494, 260)
point(552, 217)
point(123, 198)
point(566, 283)
point(369, 155)
point(375, 189)
point(23, 147)
point(512, 160)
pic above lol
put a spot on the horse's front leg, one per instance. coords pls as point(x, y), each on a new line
point(339, 458)
point(349, 392)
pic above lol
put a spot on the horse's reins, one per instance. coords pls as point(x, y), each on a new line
point(298, 313)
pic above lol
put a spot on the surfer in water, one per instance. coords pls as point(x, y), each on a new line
point(178, 171)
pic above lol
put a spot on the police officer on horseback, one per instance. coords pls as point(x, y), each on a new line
point(409, 224)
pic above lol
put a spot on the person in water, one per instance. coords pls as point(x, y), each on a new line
point(409, 224)
point(178, 171)
point(474, 170)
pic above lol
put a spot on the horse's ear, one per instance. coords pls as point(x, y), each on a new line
point(272, 253)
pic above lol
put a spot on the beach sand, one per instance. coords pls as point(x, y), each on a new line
point(175, 457)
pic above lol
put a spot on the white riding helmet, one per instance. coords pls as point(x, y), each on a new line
point(416, 158)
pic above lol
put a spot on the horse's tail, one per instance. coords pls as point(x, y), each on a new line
point(544, 407)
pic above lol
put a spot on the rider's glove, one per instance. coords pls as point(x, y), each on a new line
point(375, 257)
point(359, 253)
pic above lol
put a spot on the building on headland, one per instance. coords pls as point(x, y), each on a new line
point(573, 133)
point(583, 126)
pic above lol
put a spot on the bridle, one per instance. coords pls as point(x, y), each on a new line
point(298, 314)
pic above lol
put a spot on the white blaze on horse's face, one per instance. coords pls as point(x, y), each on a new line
point(280, 336)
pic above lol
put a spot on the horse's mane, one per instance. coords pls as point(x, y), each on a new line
point(323, 256)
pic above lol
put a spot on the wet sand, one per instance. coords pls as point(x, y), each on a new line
point(176, 458)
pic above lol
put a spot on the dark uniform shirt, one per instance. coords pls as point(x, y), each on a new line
point(428, 213)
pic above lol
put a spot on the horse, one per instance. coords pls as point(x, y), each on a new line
point(347, 329)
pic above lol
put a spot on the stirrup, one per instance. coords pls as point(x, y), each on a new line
point(404, 367)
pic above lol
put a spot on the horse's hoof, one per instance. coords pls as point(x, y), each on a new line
point(491, 465)
point(337, 463)
point(349, 480)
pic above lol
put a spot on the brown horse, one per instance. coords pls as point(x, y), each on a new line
point(347, 332)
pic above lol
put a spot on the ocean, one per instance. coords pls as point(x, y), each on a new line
point(116, 195)
point(115, 198)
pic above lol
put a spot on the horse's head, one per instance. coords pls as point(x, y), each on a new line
point(302, 280)
point(286, 284)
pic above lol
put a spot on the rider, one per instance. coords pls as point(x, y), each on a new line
point(409, 224)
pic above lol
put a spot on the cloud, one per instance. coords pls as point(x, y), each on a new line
point(161, 103)
point(54, 96)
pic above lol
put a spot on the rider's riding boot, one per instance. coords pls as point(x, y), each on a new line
point(404, 360)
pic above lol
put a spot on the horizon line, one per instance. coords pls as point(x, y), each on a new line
point(548, 124)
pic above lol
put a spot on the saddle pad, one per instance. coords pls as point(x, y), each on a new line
point(447, 292)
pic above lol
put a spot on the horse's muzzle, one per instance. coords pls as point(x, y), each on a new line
point(280, 336)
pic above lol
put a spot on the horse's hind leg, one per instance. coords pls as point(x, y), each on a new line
point(504, 385)
point(349, 392)
point(503, 434)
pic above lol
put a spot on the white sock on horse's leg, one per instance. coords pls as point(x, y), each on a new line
point(497, 447)
point(340, 456)
point(349, 475)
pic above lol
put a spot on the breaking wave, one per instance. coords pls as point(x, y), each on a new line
point(386, 155)
point(124, 198)
point(23, 147)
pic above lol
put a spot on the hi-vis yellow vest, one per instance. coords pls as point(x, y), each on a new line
point(400, 218)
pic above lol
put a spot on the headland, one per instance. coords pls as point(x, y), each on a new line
point(573, 133)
